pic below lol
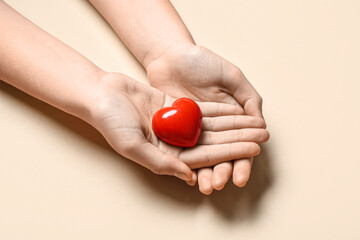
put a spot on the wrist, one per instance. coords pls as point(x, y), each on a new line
point(89, 97)
point(105, 94)
point(167, 52)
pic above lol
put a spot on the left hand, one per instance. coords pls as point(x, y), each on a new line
point(196, 72)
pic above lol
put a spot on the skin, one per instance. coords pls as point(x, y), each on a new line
point(158, 38)
point(125, 112)
point(201, 74)
point(119, 107)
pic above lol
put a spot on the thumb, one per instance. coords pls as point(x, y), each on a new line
point(245, 94)
point(253, 107)
point(149, 156)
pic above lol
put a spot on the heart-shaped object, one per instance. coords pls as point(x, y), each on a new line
point(180, 124)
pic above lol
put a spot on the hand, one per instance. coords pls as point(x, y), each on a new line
point(196, 72)
point(123, 115)
point(175, 65)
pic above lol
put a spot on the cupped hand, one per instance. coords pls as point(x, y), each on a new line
point(196, 72)
point(123, 115)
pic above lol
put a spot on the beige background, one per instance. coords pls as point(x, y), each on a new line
point(60, 180)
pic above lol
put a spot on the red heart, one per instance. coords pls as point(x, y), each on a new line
point(180, 124)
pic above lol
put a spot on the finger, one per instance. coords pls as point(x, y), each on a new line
point(221, 175)
point(242, 170)
point(152, 158)
point(230, 122)
point(193, 181)
point(214, 109)
point(210, 155)
point(242, 90)
point(257, 135)
point(205, 180)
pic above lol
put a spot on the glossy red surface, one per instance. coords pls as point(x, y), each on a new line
point(180, 124)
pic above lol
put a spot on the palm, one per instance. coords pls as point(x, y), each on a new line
point(196, 72)
point(124, 115)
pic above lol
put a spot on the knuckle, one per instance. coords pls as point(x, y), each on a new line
point(234, 122)
point(233, 151)
point(217, 109)
point(155, 169)
point(128, 148)
point(211, 123)
point(212, 137)
point(240, 135)
point(205, 138)
point(237, 110)
point(207, 155)
point(159, 167)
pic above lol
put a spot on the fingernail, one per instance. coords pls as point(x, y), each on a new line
point(218, 183)
point(193, 177)
point(182, 176)
point(191, 183)
point(207, 189)
point(241, 180)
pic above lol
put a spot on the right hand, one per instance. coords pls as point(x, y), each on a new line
point(123, 114)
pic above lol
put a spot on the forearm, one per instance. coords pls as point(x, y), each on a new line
point(148, 28)
point(39, 64)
